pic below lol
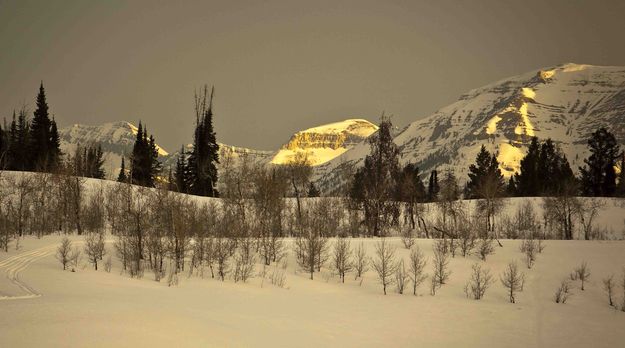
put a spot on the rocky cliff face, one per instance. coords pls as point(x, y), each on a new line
point(323, 143)
point(566, 103)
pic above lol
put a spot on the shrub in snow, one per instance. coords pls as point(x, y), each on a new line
point(416, 267)
point(480, 281)
point(583, 273)
point(563, 292)
point(384, 263)
point(513, 280)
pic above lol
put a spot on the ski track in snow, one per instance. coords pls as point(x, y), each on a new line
point(17, 263)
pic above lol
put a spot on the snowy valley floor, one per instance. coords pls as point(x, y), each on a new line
point(92, 309)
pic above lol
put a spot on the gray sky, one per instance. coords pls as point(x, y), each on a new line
point(281, 66)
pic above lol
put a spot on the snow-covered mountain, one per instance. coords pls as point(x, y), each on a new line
point(325, 142)
point(566, 103)
point(117, 140)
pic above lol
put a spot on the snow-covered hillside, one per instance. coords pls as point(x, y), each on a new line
point(325, 142)
point(566, 103)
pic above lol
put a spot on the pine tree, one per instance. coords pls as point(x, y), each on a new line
point(312, 190)
point(598, 177)
point(54, 156)
point(42, 151)
point(18, 147)
point(122, 172)
point(180, 175)
point(433, 187)
point(203, 159)
point(527, 180)
point(485, 170)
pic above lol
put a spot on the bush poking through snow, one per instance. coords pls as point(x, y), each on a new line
point(384, 263)
point(529, 247)
point(416, 267)
point(401, 276)
point(361, 261)
point(583, 273)
point(480, 281)
point(94, 248)
point(563, 292)
point(441, 272)
point(342, 257)
point(485, 248)
point(513, 280)
point(63, 252)
point(608, 286)
point(407, 237)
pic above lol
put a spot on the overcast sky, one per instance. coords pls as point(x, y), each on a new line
point(282, 66)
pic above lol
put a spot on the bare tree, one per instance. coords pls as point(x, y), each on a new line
point(529, 247)
point(608, 286)
point(441, 273)
point(22, 190)
point(587, 210)
point(384, 263)
point(485, 248)
point(401, 276)
point(513, 280)
point(583, 273)
point(64, 251)
point(563, 292)
point(361, 261)
point(407, 237)
point(342, 257)
point(299, 171)
point(416, 268)
point(480, 281)
point(94, 248)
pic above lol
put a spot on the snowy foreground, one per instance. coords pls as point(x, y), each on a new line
point(42, 305)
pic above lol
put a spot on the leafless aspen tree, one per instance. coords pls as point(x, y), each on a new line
point(22, 191)
point(342, 257)
point(401, 276)
point(94, 248)
point(361, 261)
point(407, 237)
point(623, 287)
point(63, 252)
point(563, 292)
point(440, 264)
point(485, 248)
point(513, 280)
point(587, 210)
point(384, 263)
point(529, 247)
point(480, 281)
point(222, 252)
point(608, 286)
point(583, 273)
point(416, 268)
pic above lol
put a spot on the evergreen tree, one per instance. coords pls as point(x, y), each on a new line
point(54, 156)
point(203, 159)
point(3, 148)
point(180, 174)
point(18, 151)
point(44, 155)
point(598, 177)
point(122, 172)
point(144, 165)
point(527, 180)
point(375, 183)
point(312, 190)
point(485, 171)
point(433, 187)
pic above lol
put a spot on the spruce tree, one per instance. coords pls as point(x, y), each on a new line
point(203, 159)
point(486, 168)
point(433, 187)
point(54, 155)
point(180, 174)
point(312, 190)
point(598, 177)
point(122, 172)
point(40, 145)
point(527, 180)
